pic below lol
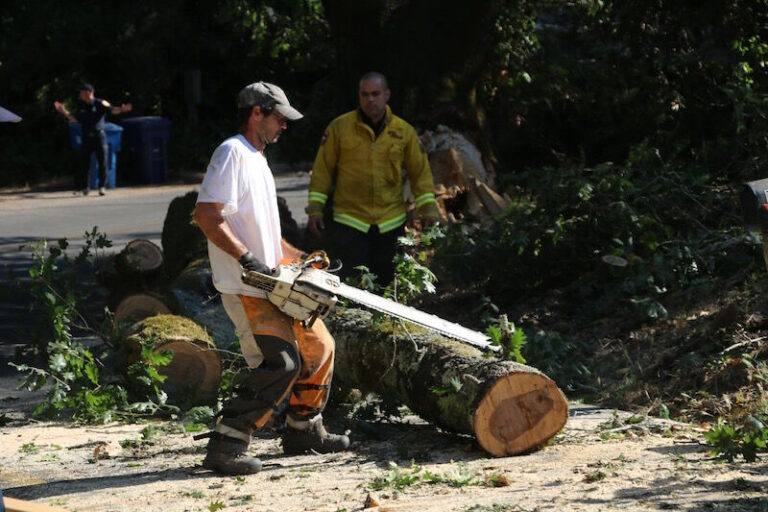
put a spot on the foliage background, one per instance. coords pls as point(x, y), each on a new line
point(620, 129)
point(537, 83)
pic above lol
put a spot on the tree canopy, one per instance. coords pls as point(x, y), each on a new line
point(535, 82)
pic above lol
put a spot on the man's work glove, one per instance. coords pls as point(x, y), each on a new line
point(249, 262)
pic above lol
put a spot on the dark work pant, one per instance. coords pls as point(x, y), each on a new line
point(93, 141)
point(264, 386)
point(373, 249)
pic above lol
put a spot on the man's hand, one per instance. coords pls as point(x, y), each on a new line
point(125, 107)
point(249, 262)
point(61, 109)
point(315, 224)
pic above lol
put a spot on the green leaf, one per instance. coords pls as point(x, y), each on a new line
point(92, 373)
point(57, 363)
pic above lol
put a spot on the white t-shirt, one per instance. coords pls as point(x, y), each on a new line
point(239, 178)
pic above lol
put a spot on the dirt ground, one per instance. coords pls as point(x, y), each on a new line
point(601, 461)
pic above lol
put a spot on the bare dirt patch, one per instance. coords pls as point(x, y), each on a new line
point(600, 461)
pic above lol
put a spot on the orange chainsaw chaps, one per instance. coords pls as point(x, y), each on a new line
point(315, 345)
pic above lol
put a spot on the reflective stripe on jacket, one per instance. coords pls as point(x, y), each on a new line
point(369, 182)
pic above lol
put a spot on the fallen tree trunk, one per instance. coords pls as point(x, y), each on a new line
point(181, 239)
point(511, 408)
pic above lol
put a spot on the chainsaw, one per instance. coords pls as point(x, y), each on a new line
point(305, 291)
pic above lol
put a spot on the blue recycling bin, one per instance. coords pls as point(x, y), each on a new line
point(147, 140)
point(114, 135)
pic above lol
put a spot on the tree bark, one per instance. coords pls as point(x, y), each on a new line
point(511, 408)
point(182, 240)
point(193, 295)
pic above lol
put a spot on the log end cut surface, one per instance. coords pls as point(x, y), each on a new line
point(520, 412)
point(139, 306)
point(143, 255)
point(193, 373)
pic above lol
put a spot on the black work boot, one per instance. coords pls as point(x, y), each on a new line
point(315, 438)
point(227, 455)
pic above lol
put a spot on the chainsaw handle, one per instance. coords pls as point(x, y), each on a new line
point(310, 262)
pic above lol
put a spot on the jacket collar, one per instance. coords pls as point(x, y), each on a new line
point(366, 121)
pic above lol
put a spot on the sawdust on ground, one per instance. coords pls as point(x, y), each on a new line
point(600, 461)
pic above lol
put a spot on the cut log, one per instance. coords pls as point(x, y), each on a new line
point(141, 257)
point(472, 166)
point(511, 408)
point(139, 306)
point(182, 239)
point(194, 373)
point(463, 185)
point(138, 268)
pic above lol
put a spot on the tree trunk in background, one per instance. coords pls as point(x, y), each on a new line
point(181, 238)
point(511, 408)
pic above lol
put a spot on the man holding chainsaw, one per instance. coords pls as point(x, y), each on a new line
point(287, 359)
point(360, 162)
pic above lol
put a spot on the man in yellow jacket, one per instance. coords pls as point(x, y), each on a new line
point(361, 159)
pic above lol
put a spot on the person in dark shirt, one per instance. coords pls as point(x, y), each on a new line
point(90, 114)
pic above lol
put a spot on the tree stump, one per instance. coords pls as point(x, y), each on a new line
point(511, 408)
point(194, 373)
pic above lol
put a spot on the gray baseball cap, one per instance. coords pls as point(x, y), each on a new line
point(258, 92)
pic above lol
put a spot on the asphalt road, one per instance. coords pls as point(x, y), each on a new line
point(124, 214)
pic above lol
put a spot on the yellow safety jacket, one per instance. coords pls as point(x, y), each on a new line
point(368, 171)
